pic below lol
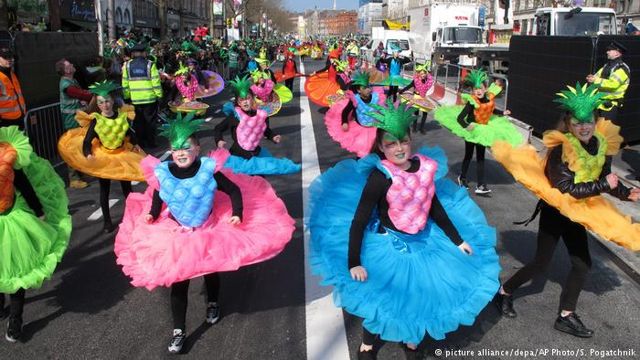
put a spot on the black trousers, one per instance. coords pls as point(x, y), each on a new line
point(145, 124)
point(6, 123)
point(468, 154)
point(422, 121)
point(393, 92)
point(180, 298)
point(16, 305)
point(367, 337)
point(105, 187)
point(554, 225)
point(289, 83)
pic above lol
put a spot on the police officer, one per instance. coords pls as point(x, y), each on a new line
point(12, 107)
point(613, 80)
point(141, 84)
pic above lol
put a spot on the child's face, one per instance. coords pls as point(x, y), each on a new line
point(479, 92)
point(186, 155)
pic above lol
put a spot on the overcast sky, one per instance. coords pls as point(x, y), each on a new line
point(300, 5)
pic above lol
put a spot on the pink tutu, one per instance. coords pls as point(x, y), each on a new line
point(162, 253)
point(358, 139)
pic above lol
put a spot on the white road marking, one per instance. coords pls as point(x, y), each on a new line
point(98, 213)
point(326, 335)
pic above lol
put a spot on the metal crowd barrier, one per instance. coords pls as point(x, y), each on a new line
point(44, 126)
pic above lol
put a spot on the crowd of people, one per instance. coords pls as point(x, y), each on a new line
point(405, 248)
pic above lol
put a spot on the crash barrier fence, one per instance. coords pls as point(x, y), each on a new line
point(44, 126)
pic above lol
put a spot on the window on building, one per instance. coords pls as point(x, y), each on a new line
point(118, 15)
point(127, 16)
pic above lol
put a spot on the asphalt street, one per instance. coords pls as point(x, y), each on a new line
point(88, 310)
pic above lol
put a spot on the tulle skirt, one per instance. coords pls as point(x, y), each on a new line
point(263, 164)
point(357, 139)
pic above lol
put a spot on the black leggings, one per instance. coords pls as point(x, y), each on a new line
point(468, 154)
point(367, 337)
point(16, 305)
point(552, 226)
point(289, 83)
point(105, 187)
point(180, 298)
point(422, 121)
point(393, 92)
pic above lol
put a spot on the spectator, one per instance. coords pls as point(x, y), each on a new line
point(12, 107)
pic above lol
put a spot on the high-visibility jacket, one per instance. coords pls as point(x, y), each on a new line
point(11, 100)
point(613, 80)
point(68, 105)
point(141, 81)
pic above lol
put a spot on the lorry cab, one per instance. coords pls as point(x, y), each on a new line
point(391, 39)
point(577, 21)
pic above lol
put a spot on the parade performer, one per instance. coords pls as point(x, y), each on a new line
point(34, 222)
point(404, 247)
point(395, 63)
point(248, 125)
point(353, 52)
point(327, 81)
point(289, 70)
point(269, 96)
point(355, 136)
point(187, 83)
point(104, 146)
point(421, 84)
point(577, 169)
point(200, 231)
point(476, 124)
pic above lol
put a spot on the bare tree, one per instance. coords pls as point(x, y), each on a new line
point(111, 19)
point(162, 14)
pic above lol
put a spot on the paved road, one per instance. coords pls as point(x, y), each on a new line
point(88, 310)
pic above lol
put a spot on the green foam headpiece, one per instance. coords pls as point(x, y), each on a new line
point(241, 87)
point(258, 74)
point(182, 70)
point(360, 78)
point(340, 65)
point(103, 88)
point(424, 67)
point(392, 119)
point(580, 101)
point(475, 78)
point(178, 130)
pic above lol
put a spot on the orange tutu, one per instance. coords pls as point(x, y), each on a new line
point(319, 87)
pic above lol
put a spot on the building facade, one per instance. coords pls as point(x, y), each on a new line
point(369, 15)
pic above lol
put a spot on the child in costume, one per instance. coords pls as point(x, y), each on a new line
point(104, 147)
point(355, 136)
point(421, 83)
point(477, 125)
point(34, 222)
point(200, 231)
point(576, 171)
point(404, 247)
point(329, 80)
point(248, 125)
point(188, 85)
point(395, 63)
point(289, 69)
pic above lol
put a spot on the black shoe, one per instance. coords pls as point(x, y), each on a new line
point(505, 305)
point(177, 341)
point(423, 131)
point(571, 324)
point(463, 182)
point(213, 313)
point(14, 329)
point(410, 354)
point(482, 189)
point(366, 355)
point(414, 128)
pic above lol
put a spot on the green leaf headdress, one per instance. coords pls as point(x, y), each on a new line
point(182, 70)
point(360, 78)
point(580, 101)
point(476, 78)
point(424, 67)
point(258, 74)
point(103, 88)
point(240, 86)
point(392, 119)
point(340, 65)
point(178, 130)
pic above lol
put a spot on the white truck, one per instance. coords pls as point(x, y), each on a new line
point(444, 31)
point(577, 21)
point(391, 39)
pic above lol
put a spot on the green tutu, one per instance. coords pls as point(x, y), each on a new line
point(395, 80)
point(30, 248)
point(498, 128)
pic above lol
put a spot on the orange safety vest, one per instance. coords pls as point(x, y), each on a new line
point(11, 100)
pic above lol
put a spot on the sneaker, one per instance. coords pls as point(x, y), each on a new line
point(177, 341)
point(14, 329)
point(505, 305)
point(482, 189)
point(213, 313)
point(571, 324)
point(463, 182)
point(78, 184)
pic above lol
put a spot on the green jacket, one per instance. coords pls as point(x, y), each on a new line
point(68, 105)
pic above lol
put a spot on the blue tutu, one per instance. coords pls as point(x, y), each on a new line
point(416, 284)
point(263, 164)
